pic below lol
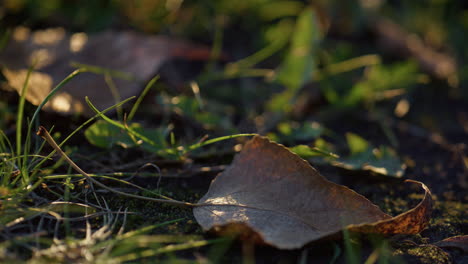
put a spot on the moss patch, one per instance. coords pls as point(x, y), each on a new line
point(423, 254)
point(144, 213)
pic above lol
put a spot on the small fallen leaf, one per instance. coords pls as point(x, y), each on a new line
point(128, 57)
point(364, 156)
point(286, 203)
point(294, 131)
point(356, 143)
point(105, 135)
point(460, 242)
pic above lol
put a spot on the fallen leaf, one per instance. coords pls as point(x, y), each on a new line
point(130, 58)
point(105, 135)
point(286, 203)
point(294, 131)
point(364, 156)
point(460, 242)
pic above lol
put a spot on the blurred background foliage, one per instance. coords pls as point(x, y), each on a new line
point(286, 57)
point(440, 23)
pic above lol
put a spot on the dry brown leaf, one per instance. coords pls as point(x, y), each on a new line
point(460, 242)
point(287, 203)
point(52, 51)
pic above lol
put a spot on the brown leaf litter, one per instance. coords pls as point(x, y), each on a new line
point(286, 203)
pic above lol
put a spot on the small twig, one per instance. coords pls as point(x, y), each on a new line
point(42, 132)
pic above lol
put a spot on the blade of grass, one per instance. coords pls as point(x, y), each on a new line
point(115, 93)
point(119, 125)
point(214, 140)
point(4, 38)
point(52, 93)
point(348, 65)
point(103, 71)
point(325, 153)
point(218, 41)
point(140, 98)
point(147, 229)
point(81, 127)
point(5, 146)
point(108, 178)
point(148, 240)
point(238, 73)
point(42, 132)
point(258, 56)
point(336, 254)
point(352, 250)
point(166, 249)
point(20, 114)
point(66, 198)
point(126, 242)
point(24, 170)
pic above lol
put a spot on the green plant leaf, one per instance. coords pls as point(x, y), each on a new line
point(356, 143)
point(299, 63)
point(364, 156)
point(105, 135)
point(381, 78)
point(294, 131)
point(278, 9)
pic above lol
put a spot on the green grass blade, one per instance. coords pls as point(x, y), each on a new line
point(166, 249)
point(20, 114)
point(81, 127)
point(115, 93)
point(214, 140)
point(103, 71)
point(103, 176)
point(147, 229)
point(119, 125)
point(52, 93)
point(140, 98)
point(31, 122)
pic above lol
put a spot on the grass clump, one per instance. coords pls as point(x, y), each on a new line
point(47, 218)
